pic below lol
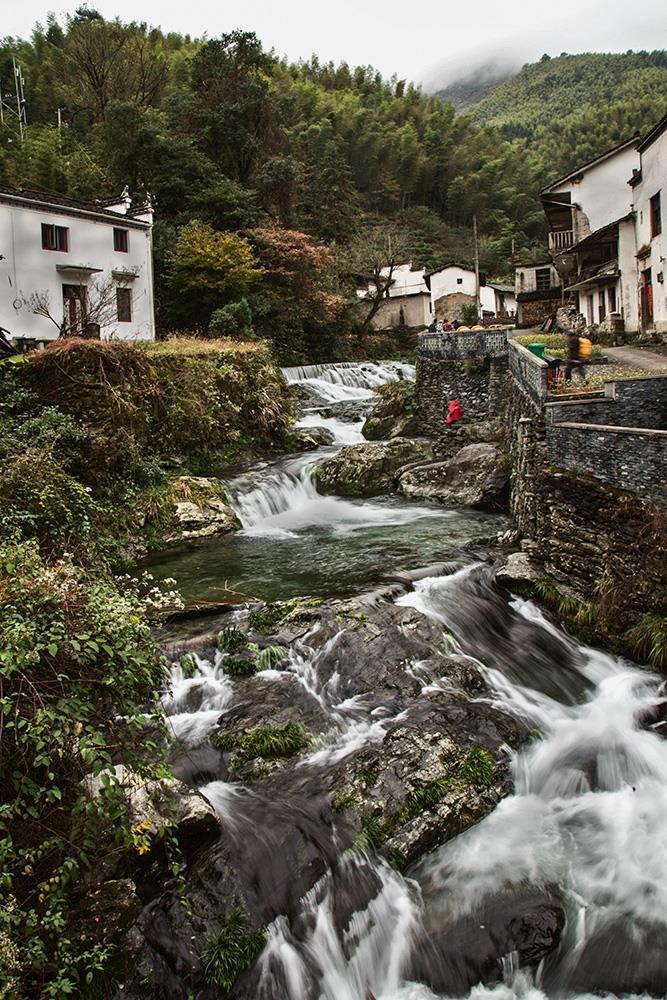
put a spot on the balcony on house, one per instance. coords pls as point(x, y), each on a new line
point(561, 240)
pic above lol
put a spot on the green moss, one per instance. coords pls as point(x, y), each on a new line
point(232, 951)
point(398, 859)
point(266, 620)
point(269, 742)
point(241, 666)
point(648, 639)
point(231, 639)
point(371, 837)
point(477, 768)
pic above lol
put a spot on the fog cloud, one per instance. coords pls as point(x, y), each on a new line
point(432, 41)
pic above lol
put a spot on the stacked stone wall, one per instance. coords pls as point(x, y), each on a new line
point(479, 386)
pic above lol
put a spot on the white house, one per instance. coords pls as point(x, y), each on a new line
point(407, 301)
point(77, 266)
point(649, 187)
point(452, 286)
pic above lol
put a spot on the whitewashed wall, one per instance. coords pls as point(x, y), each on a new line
point(654, 179)
point(27, 268)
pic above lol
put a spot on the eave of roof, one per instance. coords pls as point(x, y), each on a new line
point(40, 199)
point(653, 134)
point(594, 237)
point(634, 140)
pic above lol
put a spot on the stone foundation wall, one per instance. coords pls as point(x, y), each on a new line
point(596, 539)
point(479, 386)
point(448, 307)
point(631, 402)
point(622, 457)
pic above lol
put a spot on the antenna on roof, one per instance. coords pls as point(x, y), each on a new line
point(14, 104)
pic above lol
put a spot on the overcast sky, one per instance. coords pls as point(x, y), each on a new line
point(418, 40)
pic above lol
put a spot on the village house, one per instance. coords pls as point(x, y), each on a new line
point(75, 267)
point(538, 290)
point(649, 187)
point(406, 302)
point(452, 286)
point(498, 300)
point(606, 238)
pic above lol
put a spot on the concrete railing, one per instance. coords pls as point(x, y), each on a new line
point(529, 371)
point(469, 344)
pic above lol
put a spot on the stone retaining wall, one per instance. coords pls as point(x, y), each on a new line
point(626, 458)
point(479, 386)
point(631, 402)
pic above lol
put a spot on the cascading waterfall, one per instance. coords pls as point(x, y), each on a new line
point(583, 828)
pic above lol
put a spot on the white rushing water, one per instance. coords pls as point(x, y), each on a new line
point(348, 380)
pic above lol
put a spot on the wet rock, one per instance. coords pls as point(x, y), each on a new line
point(311, 438)
point(519, 568)
point(458, 436)
point(349, 411)
point(392, 415)
point(453, 957)
point(201, 510)
point(156, 805)
point(477, 476)
point(363, 470)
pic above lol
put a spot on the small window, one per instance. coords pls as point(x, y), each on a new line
point(124, 305)
point(459, 281)
point(121, 240)
point(55, 237)
point(612, 300)
point(656, 215)
point(543, 279)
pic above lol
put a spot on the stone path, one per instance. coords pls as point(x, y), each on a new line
point(637, 357)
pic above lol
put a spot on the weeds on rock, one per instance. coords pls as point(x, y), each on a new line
point(477, 768)
point(232, 950)
point(269, 742)
point(649, 639)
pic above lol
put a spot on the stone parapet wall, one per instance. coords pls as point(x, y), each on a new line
point(471, 345)
point(625, 458)
point(633, 402)
point(529, 371)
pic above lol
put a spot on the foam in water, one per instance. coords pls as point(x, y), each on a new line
point(344, 432)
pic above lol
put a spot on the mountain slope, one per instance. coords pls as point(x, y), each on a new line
point(555, 88)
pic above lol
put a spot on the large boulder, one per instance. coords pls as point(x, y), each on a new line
point(366, 470)
point(393, 414)
point(477, 476)
point(201, 510)
point(458, 436)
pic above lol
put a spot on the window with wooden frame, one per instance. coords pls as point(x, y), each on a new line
point(611, 293)
point(55, 237)
point(656, 215)
point(121, 240)
point(543, 279)
point(124, 305)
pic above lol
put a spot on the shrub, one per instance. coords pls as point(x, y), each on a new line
point(76, 662)
point(233, 320)
point(648, 639)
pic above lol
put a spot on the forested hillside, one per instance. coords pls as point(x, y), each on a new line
point(271, 180)
point(571, 108)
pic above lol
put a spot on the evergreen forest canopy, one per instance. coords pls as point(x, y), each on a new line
point(272, 180)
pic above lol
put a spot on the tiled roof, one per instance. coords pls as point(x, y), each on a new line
point(60, 201)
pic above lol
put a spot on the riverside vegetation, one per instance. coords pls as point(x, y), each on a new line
point(91, 434)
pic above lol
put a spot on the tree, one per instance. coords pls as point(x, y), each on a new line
point(373, 255)
point(207, 269)
point(96, 306)
point(297, 299)
point(233, 108)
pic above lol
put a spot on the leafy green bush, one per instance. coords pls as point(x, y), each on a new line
point(232, 950)
point(233, 320)
point(231, 639)
point(76, 662)
point(469, 314)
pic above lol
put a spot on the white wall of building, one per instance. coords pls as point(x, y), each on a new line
point(452, 280)
point(654, 180)
point(601, 191)
point(405, 281)
point(27, 268)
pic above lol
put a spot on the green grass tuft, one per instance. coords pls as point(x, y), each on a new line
point(230, 640)
point(232, 951)
point(648, 639)
point(268, 742)
point(271, 657)
point(188, 665)
point(423, 797)
point(477, 768)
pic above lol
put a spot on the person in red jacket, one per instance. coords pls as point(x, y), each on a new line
point(454, 414)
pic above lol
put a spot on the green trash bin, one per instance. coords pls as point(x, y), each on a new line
point(537, 349)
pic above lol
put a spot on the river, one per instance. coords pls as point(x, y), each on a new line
point(582, 832)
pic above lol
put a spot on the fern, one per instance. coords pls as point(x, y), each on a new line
point(649, 639)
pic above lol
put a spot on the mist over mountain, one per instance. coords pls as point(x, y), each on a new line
point(468, 86)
